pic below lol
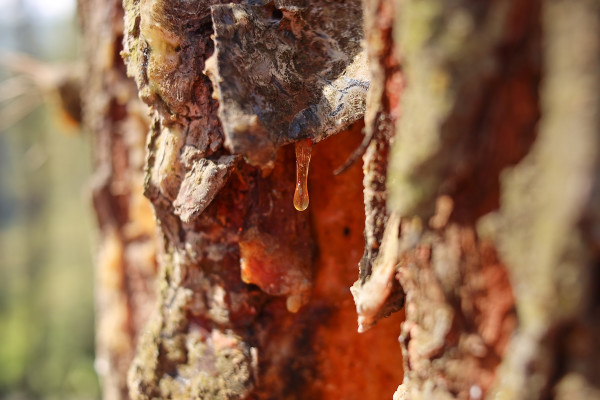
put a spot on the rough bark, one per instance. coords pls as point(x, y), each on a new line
point(485, 221)
point(126, 255)
point(253, 297)
point(494, 171)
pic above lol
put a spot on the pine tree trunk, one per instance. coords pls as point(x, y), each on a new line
point(477, 206)
point(126, 253)
point(494, 171)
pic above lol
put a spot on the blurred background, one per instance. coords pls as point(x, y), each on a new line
point(46, 288)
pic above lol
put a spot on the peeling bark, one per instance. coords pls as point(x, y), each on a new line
point(234, 251)
point(285, 72)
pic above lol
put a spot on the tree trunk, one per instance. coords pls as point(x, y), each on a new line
point(477, 207)
point(125, 261)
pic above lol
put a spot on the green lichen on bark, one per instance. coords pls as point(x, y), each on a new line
point(468, 110)
point(449, 51)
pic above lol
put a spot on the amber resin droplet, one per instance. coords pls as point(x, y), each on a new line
point(303, 149)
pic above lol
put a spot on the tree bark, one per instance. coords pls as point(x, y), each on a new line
point(125, 262)
point(494, 171)
point(477, 207)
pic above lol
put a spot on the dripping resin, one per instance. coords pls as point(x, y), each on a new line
point(303, 149)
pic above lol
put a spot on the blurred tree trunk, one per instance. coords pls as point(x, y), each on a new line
point(486, 217)
point(125, 257)
point(494, 171)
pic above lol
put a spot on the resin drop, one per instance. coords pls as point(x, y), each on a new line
point(303, 149)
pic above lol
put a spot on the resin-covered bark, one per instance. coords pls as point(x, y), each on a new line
point(239, 311)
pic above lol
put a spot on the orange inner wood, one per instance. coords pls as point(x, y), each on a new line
point(351, 365)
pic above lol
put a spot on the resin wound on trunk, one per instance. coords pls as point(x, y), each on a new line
point(303, 149)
